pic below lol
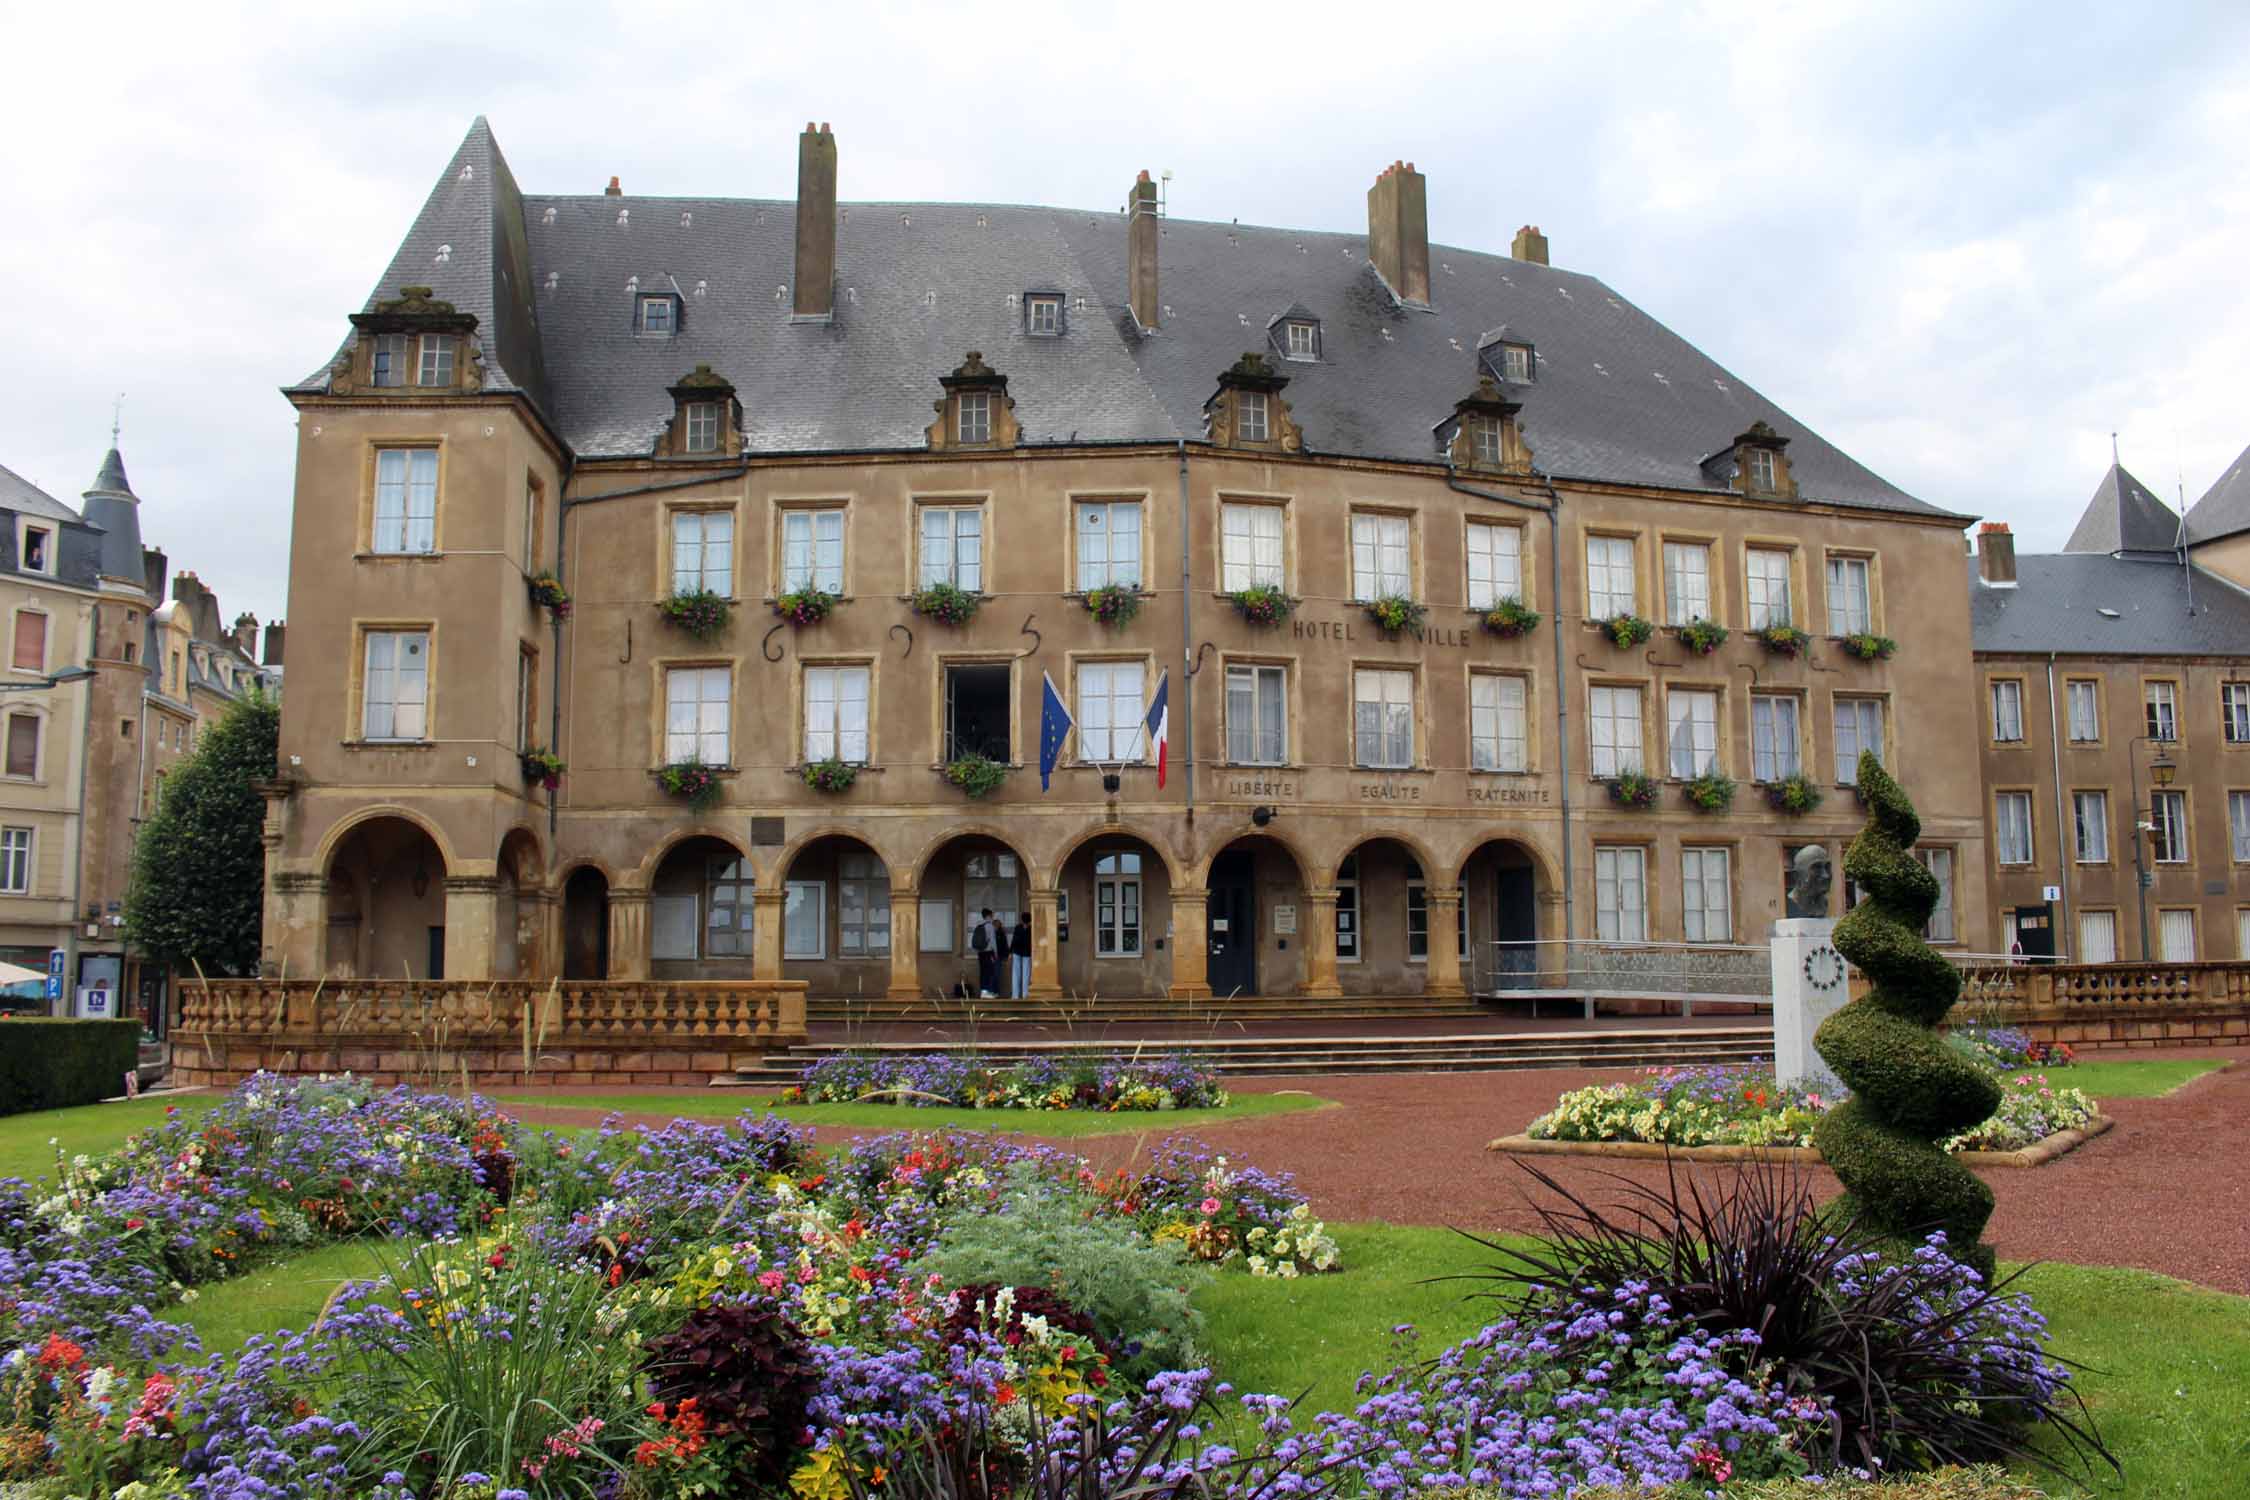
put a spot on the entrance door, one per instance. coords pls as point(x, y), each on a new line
point(586, 925)
point(437, 953)
point(1232, 912)
point(1516, 925)
point(2035, 932)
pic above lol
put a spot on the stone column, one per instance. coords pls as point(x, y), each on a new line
point(1190, 945)
point(472, 908)
point(1811, 982)
point(1046, 944)
point(906, 945)
point(295, 939)
point(1318, 938)
point(535, 924)
point(767, 907)
point(628, 934)
point(1445, 941)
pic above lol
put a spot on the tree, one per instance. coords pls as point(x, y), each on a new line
point(1909, 1089)
point(197, 893)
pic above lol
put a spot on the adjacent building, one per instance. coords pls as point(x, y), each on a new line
point(835, 489)
point(2114, 680)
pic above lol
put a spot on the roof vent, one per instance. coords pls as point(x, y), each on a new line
point(468, 172)
point(906, 221)
point(701, 287)
point(549, 217)
point(983, 222)
point(624, 218)
point(554, 279)
point(2107, 613)
point(632, 283)
point(687, 220)
point(444, 254)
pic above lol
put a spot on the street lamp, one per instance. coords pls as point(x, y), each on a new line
point(2161, 770)
point(67, 674)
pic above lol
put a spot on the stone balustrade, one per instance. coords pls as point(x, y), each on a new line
point(496, 1032)
point(2128, 1005)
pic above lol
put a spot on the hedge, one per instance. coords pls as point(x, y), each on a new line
point(51, 1063)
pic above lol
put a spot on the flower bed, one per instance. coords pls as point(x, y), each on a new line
point(1743, 1105)
point(1113, 1083)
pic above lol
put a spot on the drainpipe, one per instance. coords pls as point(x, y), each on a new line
point(555, 673)
point(1187, 646)
point(1553, 511)
point(2062, 852)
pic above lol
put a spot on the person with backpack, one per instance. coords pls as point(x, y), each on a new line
point(1019, 957)
point(981, 941)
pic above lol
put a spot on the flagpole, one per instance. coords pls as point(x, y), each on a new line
point(1187, 645)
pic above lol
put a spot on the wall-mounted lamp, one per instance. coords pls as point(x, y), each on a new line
point(421, 880)
point(1261, 816)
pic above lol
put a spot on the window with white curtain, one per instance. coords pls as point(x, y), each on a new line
point(1687, 582)
point(1774, 737)
point(1110, 711)
point(836, 714)
point(2175, 936)
point(1613, 730)
point(1620, 894)
point(1766, 571)
point(863, 906)
point(1109, 544)
point(2011, 826)
point(952, 547)
point(1609, 577)
point(703, 552)
point(696, 718)
point(1380, 565)
point(1849, 612)
point(2097, 937)
point(2007, 709)
point(812, 551)
point(1383, 718)
point(1706, 896)
point(2238, 825)
point(1257, 716)
point(2089, 816)
point(2242, 932)
point(2169, 840)
point(1498, 725)
point(1249, 547)
point(2162, 701)
point(1495, 564)
point(1692, 732)
point(1859, 726)
point(395, 688)
point(406, 481)
point(2085, 711)
point(1939, 862)
point(2234, 712)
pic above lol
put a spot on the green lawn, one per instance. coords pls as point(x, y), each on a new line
point(2168, 1377)
point(726, 1104)
point(88, 1130)
point(281, 1294)
point(2136, 1078)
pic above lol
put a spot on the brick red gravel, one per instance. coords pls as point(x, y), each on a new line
point(2168, 1190)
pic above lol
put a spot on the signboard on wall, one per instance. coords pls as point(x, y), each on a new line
point(1284, 920)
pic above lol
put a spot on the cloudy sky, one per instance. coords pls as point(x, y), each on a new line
point(1963, 241)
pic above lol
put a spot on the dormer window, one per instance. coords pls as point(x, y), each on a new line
point(973, 417)
point(1304, 339)
point(1295, 333)
point(1515, 363)
point(437, 359)
point(36, 540)
point(390, 359)
point(1043, 314)
point(656, 316)
point(1485, 441)
point(1760, 466)
point(1250, 416)
point(1756, 463)
point(1483, 432)
point(702, 426)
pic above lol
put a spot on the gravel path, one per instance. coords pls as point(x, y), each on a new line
point(2168, 1190)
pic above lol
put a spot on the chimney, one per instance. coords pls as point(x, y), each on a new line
point(1141, 233)
point(274, 633)
point(816, 224)
point(1398, 232)
point(1530, 245)
point(1996, 555)
point(613, 190)
point(246, 635)
point(155, 566)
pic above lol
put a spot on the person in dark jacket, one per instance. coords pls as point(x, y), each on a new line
point(1019, 957)
point(989, 941)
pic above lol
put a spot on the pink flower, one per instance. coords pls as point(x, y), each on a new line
point(772, 1281)
point(1210, 1206)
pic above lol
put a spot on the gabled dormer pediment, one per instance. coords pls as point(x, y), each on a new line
point(1484, 432)
point(976, 410)
point(706, 417)
point(413, 343)
point(1247, 410)
point(1295, 334)
point(1755, 463)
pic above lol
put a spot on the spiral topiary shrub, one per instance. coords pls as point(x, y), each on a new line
point(1909, 1089)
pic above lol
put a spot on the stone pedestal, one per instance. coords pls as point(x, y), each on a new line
point(1811, 982)
point(1318, 938)
point(1046, 968)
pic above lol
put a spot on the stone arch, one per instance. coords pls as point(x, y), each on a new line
point(1411, 843)
point(1093, 831)
point(931, 849)
point(858, 834)
point(1307, 866)
point(388, 908)
point(644, 873)
point(1543, 863)
point(518, 914)
point(326, 852)
point(1510, 901)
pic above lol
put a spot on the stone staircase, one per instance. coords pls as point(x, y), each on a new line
point(1282, 1056)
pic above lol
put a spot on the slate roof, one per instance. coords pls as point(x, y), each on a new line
point(2063, 602)
point(2125, 516)
point(27, 499)
point(112, 505)
point(2225, 507)
point(1618, 397)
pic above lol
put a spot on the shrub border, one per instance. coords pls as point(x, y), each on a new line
point(2037, 1154)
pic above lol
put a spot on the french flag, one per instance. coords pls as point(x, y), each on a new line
point(1160, 725)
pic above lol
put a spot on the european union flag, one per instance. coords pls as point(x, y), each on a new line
point(1055, 724)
